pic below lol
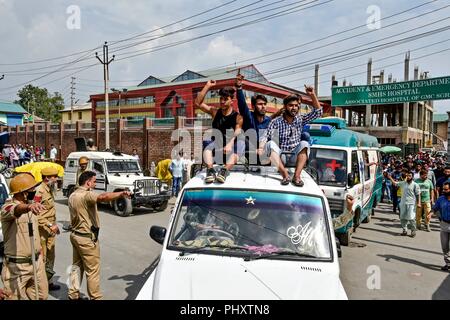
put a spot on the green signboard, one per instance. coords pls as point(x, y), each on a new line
point(390, 93)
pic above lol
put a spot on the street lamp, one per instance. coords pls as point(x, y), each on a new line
point(120, 94)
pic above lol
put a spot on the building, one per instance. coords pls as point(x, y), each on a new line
point(167, 97)
point(30, 119)
point(11, 114)
point(408, 124)
point(440, 131)
point(81, 112)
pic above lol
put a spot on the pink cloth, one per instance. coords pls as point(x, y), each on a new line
point(268, 248)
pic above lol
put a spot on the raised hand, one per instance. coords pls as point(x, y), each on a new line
point(309, 90)
point(211, 83)
point(239, 79)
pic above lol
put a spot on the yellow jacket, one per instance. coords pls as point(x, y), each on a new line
point(162, 170)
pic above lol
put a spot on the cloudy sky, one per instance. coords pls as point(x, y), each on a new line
point(47, 42)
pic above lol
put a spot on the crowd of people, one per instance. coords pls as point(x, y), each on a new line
point(418, 188)
point(16, 155)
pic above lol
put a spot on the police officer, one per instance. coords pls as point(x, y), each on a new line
point(48, 229)
point(16, 213)
point(84, 237)
point(82, 164)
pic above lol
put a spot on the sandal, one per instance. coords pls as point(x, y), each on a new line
point(285, 181)
point(297, 183)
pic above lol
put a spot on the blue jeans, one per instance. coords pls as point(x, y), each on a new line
point(176, 185)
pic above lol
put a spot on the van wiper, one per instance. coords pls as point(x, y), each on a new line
point(207, 246)
point(278, 253)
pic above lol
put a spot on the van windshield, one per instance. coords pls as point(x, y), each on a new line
point(249, 223)
point(117, 166)
point(331, 166)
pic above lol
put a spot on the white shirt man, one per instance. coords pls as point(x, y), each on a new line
point(53, 153)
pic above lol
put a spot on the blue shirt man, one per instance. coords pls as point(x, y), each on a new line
point(442, 206)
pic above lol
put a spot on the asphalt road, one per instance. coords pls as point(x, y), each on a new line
point(396, 267)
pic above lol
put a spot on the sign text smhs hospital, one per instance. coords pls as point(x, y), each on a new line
point(397, 92)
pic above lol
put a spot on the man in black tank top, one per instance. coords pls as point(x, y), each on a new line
point(224, 119)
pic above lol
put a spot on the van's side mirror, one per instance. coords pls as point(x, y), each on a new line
point(351, 179)
point(338, 246)
point(158, 234)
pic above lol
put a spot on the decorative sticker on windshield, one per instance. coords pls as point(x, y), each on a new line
point(250, 200)
point(301, 235)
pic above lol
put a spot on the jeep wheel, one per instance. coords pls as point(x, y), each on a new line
point(161, 207)
point(123, 207)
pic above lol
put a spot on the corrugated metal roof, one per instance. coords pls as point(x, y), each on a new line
point(9, 107)
point(440, 117)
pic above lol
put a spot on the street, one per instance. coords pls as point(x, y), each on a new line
point(409, 267)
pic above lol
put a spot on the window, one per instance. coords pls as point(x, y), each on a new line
point(276, 219)
point(3, 194)
point(150, 81)
point(188, 75)
point(366, 167)
point(149, 99)
point(117, 166)
point(355, 167)
point(331, 166)
point(72, 165)
point(69, 114)
point(80, 115)
point(98, 167)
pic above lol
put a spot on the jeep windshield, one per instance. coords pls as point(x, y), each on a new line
point(123, 166)
point(269, 224)
point(331, 166)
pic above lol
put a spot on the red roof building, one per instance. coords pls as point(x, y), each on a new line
point(157, 97)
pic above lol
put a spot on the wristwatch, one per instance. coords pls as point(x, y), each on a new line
point(50, 225)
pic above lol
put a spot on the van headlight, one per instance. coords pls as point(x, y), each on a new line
point(164, 187)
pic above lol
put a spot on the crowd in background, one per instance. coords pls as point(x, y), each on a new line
point(13, 155)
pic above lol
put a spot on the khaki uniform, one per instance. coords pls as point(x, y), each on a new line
point(86, 247)
point(17, 273)
point(79, 172)
point(46, 218)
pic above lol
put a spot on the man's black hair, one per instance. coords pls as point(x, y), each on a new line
point(258, 97)
point(227, 92)
point(85, 176)
point(292, 97)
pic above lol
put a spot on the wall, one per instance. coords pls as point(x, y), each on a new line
point(152, 143)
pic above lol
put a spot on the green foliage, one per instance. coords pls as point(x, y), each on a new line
point(39, 100)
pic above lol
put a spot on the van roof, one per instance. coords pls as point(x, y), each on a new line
point(268, 179)
point(100, 155)
point(338, 135)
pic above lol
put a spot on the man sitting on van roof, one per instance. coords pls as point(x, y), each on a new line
point(288, 129)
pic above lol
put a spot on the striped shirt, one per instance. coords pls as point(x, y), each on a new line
point(289, 134)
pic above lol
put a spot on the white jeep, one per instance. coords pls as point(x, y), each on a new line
point(248, 238)
point(116, 172)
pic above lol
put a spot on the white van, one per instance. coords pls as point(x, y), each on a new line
point(249, 238)
point(347, 162)
point(116, 172)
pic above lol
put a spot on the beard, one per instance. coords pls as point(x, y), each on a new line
point(292, 113)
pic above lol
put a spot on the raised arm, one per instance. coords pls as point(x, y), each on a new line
point(244, 111)
point(198, 103)
point(111, 196)
point(317, 109)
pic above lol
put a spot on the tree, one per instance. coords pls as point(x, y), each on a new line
point(39, 100)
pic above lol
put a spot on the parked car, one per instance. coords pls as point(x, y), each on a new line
point(116, 172)
point(248, 238)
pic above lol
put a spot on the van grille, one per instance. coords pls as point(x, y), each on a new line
point(151, 187)
point(336, 205)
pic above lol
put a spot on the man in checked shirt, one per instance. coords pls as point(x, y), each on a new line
point(288, 129)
